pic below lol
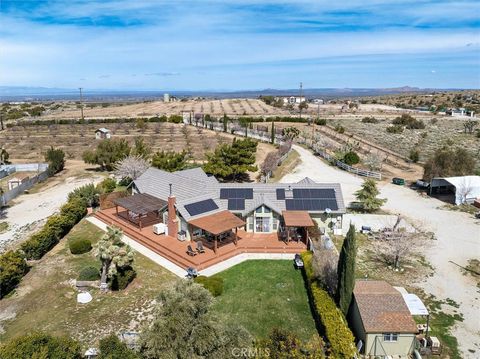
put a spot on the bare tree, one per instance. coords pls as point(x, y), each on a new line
point(131, 167)
point(464, 190)
point(469, 126)
point(373, 161)
point(269, 164)
point(324, 265)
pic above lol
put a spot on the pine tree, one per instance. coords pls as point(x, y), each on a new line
point(367, 196)
point(346, 271)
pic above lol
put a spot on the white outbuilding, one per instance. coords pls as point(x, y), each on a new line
point(464, 188)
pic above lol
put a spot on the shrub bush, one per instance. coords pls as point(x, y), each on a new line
point(175, 119)
point(213, 284)
point(113, 348)
point(123, 278)
point(395, 129)
point(108, 185)
point(40, 243)
point(80, 246)
point(75, 209)
point(335, 327)
point(321, 122)
point(87, 193)
point(351, 158)
point(12, 268)
point(89, 273)
point(41, 345)
point(61, 225)
point(340, 129)
point(409, 122)
point(369, 119)
point(414, 155)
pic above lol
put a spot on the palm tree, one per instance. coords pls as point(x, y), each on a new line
point(113, 254)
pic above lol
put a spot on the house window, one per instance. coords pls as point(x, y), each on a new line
point(390, 337)
point(266, 210)
point(258, 210)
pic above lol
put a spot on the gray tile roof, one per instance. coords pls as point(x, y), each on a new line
point(193, 185)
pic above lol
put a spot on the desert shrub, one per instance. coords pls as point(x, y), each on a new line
point(320, 121)
point(41, 345)
point(113, 348)
point(12, 268)
point(351, 158)
point(340, 129)
point(448, 161)
point(89, 273)
point(61, 225)
point(369, 119)
point(123, 278)
point(55, 159)
point(88, 193)
point(433, 121)
point(175, 119)
point(409, 122)
point(213, 284)
point(108, 185)
point(80, 246)
point(333, 322)
point(414, 155)
point(395, 129)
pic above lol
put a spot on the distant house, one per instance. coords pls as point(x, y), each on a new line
point(293, 99)
point(102, 133)
point(381, 319)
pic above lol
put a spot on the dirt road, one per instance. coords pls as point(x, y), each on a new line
point(457, 234)
point(29, 211)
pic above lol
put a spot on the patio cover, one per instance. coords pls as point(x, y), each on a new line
point(218, 222)
point(297, 219)
point(140, 203)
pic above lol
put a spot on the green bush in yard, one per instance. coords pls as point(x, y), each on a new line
point(75, 209)
point(213, 284)
point(40, 345)
point(122, 279)
point(334, 324)
point(40, 243)
point(89, 273)
point(113, 348)
point(108, 185)
point(351, 158)
point(80, 246)
point(12, 268)
point(88, 193)
point(61, 225)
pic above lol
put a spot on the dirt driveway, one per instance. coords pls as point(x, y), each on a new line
point(457, 234)
point(28, 211)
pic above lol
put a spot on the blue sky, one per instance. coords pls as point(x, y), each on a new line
point(239, 44)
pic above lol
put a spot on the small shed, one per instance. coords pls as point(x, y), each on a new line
point(464, 189)
point(102, 133)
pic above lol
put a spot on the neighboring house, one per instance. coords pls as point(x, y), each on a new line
point(194, 197)
point(102, 134)
point(293, 99)
point(381, 319)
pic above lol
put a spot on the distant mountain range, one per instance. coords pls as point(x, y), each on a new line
point(20, 93)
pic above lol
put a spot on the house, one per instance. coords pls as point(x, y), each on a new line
point(293, 99)
point(102, 133)
point(381, 320)
point(263, 208)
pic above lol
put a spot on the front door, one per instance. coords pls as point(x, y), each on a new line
point(262, 224)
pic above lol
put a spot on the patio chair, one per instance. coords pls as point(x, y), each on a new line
point(200, 248)
point(190, 251)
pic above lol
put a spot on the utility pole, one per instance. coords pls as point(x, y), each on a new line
point(301, 88)
point(81, 101)
point(1, 120)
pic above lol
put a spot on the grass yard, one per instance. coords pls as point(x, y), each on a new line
point(263, 294)
point(46, 297)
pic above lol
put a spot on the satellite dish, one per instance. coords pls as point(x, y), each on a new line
point(328, 210)
point(84, 297)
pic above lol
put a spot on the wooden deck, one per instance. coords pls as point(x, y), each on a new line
point(176, 251)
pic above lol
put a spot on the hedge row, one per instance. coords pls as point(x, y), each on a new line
point(55, 229)
point(12, 263)
point(337, 332)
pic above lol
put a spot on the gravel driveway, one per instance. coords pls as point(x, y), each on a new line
point(457, 233)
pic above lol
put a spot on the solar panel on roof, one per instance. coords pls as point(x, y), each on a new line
point(280, 193)
point(228, 193)
point(201, 207)
point(236, 204)
point(326, 193)
point(304, 204)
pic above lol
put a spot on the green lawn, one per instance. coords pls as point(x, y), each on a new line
point(46, 297)
point(263, 294)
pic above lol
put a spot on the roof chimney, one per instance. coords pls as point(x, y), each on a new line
point(170, 189)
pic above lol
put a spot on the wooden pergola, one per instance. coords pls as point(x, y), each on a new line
point(296, 219)
point(141, 205)
point(218, 223)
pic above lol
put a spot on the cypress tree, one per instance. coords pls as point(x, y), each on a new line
point(273, 133)
point(346, 271)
